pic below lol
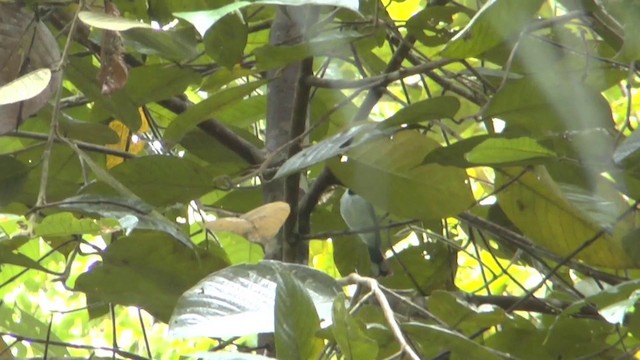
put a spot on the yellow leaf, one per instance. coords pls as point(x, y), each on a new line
point(125, 143)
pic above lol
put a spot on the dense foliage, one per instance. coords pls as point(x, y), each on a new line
point(154, 153)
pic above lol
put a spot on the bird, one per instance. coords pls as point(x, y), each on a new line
point(359, 214)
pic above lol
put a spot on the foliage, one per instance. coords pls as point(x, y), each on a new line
point(496, 137)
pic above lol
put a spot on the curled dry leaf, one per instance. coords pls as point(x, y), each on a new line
point(259, 225)
point(113, 71)
point(27, 45)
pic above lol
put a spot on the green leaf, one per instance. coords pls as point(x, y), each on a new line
point(240, 300)
point(461, 315)
point(497, 21)
point(198, 113)
point(177, 45)
point(296, 320)
point(537, 206)
point(145, 86)
point(431, 109)
point(7, 256)
point(148, 270)
point(350, 333)
point(508, 151)
point(271, 56)
point(12, 178)
point(330, 147)
point(203, 20)
point(539, 106)
point(226, 39)
point(83, 74)
point(436, 272)
point(164, 180)
point(65, 224)
point(143, 216)
point(387, 172)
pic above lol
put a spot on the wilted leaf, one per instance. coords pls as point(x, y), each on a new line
point(259, 225)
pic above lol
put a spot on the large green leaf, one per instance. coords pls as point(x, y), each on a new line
point(495, 22)
point(83, 74)
point(296, 320)
point(164, 180)
point(145, 86)
point(350, 333)
point(12, 178)
point(240, 300)
point(387, 172)
point(496, 151)
point(543, 104)
point(149, 270)
point(538, 207)
point(225, 40)
point(65, 224)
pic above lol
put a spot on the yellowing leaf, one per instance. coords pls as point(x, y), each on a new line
point(109, 22)
point(258, 225)
point(125, 143)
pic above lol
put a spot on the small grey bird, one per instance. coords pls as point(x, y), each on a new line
point(359, 214)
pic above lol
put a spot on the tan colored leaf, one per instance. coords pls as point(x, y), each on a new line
point(259, 225)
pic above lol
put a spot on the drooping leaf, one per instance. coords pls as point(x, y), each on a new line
point(495, 22)
point(240, 300)
point(125, 208)
point(435, 108)
point(296, 320)
point(145, 86)
point(149, 270)
point(330, 147)
point(350, 334)
point(387, 172)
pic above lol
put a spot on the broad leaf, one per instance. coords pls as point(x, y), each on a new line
point(149, 270)
point(387, 172)
point(497, 21)
point(296, 320)
point(508, 151)
point(537, 206)
point(350, 333)
point(240, 300)
point(330, 147)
